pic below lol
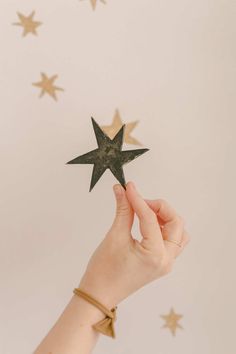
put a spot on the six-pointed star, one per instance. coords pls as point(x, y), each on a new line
point(112, 129)
point(172, 321)
point(108, 155)
point(47, 86)
point(28, 24)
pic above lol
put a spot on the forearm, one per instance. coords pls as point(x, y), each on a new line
point(73, 332)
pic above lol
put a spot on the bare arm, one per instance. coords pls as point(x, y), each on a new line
point(119, 266)
point(73, 332)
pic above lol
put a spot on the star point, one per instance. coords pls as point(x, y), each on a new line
point(172, 321)
point(28, 23)
point(112, 129)
point(47, 86)
point(94, 3)
point(108, 155)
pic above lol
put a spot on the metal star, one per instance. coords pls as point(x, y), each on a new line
point(172, 321)
point(108, 155)
point(28, 24)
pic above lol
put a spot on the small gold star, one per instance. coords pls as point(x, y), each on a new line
point(112, 129)
point(47, 86)
point(94, 3)
point(172, 321)
point(28, 24)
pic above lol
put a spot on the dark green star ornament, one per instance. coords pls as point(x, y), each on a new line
point(108, 155)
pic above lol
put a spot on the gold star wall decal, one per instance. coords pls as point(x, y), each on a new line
point(28, 24)
point(47, 86)
point(111, 130)
point(94, 3)
point(172, 321)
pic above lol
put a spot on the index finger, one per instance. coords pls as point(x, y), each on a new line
point(172, 224)
point(162, 209)
point(149, 226)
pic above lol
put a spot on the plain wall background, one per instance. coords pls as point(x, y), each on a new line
point(169, 64)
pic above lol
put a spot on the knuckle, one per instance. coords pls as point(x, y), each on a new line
point(155, 261)
point(162, 202)
point(122, 210)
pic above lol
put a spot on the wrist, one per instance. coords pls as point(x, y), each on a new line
point(87, 312)
point(106, 325)
point(101, 293)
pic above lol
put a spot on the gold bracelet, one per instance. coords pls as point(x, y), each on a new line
point(105, 326)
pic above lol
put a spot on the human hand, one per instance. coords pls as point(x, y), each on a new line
point(121, 264)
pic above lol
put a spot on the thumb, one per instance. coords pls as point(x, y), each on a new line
point(124, 213)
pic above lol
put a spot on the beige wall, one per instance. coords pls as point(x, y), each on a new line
point(168, 64)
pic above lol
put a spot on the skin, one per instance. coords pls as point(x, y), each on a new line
point(119, 267)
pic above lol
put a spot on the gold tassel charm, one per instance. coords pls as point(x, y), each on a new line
point(106, 325)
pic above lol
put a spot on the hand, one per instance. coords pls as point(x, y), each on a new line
point(121, 264)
